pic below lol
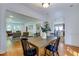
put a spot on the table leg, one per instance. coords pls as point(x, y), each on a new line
point(38, 52)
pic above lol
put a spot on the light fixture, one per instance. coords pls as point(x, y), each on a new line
point(11, 16)
point(45, 5)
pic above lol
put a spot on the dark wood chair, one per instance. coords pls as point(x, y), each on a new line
point(16, 35)
point(9, 33)
point(53, 47)
point(27, 50)
point(25, 34)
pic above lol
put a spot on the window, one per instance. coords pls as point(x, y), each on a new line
point(9, 28)
point(59, 29)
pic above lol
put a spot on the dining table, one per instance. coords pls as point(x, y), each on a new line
point(39, 43)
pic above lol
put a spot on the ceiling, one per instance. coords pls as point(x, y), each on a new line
point(54, 10)
point(53, 6)
point(14, 17)
point(38, 7)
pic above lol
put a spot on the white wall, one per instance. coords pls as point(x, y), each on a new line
point(71, 26)
point(55, 17)
point(69, 16)
point(3, 47)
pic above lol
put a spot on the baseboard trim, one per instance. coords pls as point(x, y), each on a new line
point(72, 45)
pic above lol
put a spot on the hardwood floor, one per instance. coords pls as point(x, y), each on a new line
point(14, 48)
point(71, 50)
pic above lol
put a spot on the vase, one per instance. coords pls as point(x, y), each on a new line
point(43, 35)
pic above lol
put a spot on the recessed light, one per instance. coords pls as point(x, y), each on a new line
point(11, 16)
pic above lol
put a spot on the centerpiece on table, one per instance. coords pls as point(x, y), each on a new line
point(45, 30)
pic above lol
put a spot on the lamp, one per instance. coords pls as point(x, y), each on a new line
point(45, 5)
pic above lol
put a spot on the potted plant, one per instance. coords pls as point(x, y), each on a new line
point(45, 29)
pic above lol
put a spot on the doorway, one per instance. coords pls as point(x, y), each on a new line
point(59, 30)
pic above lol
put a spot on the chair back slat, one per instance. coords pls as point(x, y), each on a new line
point(57, 42)
point(27, 50)
point(25, 34)
point(24, 44)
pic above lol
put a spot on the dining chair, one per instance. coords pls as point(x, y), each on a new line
point(9, 33)
point(18, 33)
point(27, 50)
point(25, 34)
point(53, 47)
